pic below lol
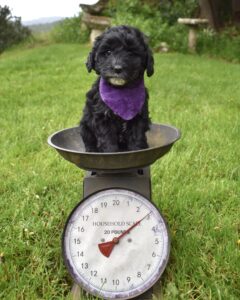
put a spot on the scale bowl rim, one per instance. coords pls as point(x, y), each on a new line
point(49, 140)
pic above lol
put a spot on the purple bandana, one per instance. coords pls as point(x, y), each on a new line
point(126, 102)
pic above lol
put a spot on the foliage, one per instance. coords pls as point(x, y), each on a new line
point(11, 30)
point(70, 31)
point(196, 186)
point(174, 9)
point(157, 19)
point(225, 44)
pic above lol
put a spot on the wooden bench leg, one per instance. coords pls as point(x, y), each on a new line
point(192, 39)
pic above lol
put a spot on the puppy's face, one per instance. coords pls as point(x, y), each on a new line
point(121, 55)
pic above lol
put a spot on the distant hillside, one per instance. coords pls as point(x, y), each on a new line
point(43, 27)
point(42, 21)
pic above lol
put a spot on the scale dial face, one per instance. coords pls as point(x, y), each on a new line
point(116, 244)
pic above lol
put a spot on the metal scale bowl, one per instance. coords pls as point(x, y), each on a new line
point(128, 171)
point(70, 145)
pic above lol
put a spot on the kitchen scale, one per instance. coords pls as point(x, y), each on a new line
point(115, 242)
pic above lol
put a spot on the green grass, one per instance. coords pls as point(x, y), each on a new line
point(196, 185)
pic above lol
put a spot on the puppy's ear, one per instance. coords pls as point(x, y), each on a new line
point(150, 63)
point(149, 59)
point(91, 60)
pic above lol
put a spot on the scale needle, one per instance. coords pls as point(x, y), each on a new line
point(107, 247)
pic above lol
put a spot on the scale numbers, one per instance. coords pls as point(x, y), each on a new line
point(116, 244)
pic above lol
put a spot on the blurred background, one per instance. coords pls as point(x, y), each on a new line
point(196, 87)
point(202, 26)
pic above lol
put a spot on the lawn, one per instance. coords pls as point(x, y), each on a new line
point(196, 186)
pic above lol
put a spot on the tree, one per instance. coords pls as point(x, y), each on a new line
point(220, 12)
point(11, 29)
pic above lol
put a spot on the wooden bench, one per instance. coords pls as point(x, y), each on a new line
point(194, 25)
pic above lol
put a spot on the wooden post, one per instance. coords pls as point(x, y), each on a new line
point(192, 39)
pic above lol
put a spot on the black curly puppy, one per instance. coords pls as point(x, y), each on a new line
point(116, 113)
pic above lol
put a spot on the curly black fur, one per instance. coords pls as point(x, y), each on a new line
point(120, 52)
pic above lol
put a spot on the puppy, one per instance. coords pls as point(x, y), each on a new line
point(115, 116)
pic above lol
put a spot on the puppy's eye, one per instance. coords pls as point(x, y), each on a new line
point(108, 52)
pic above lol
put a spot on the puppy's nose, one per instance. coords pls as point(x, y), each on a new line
point(117, 69)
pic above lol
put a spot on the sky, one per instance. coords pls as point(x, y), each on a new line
point(34, 9)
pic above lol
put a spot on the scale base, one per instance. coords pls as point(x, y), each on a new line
point(78, 294)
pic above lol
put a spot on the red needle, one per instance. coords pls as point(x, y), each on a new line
point(106, 248)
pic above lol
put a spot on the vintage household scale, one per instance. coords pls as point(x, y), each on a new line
point(116, 243)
